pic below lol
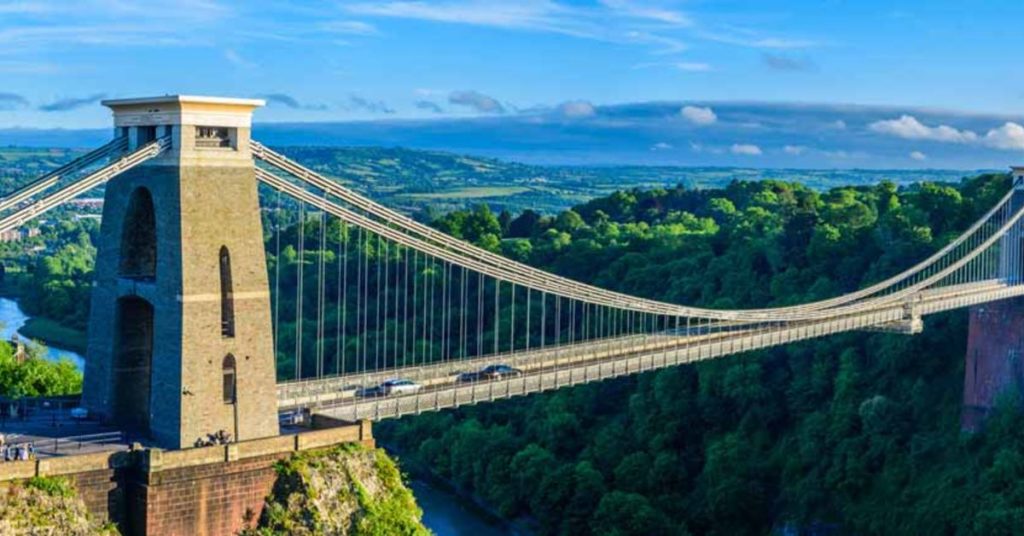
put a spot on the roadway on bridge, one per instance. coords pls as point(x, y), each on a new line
point(556, 367)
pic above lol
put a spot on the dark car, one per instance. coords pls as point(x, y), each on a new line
point(491, 372)
point(369, 392)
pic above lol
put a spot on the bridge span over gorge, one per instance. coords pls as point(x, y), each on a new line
point(198, 324)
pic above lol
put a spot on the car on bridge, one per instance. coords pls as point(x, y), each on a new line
point(491, 372)
point(292, 418)
point(397, 386)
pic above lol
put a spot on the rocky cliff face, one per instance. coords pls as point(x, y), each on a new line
point(347, 490)
point(46, 506)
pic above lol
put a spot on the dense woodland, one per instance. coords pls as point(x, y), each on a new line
point(850, 434)
point(855, 433)
point(56, 283)
point(36, 376)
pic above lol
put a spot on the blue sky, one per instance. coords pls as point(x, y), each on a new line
point(940, 78)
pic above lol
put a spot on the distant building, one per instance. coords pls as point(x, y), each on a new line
point(15, 235)
point(92, 203)
point(20, 353)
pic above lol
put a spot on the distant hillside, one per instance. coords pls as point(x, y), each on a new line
point(413, 179)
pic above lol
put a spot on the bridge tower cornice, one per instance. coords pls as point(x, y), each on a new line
point(203, 131)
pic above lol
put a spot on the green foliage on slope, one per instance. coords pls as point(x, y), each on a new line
point(36, 376)
point(47, 506)
point(347, 490)
point(855, 433)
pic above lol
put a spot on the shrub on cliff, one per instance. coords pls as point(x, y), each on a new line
point(47, 506)
point(347, 490)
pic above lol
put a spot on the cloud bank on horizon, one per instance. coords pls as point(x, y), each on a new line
point(768, 135)
point(590, 81)
point(698, 134)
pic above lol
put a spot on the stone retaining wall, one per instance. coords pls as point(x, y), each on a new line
point(206, 491)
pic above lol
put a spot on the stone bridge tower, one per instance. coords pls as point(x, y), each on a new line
point(180, 341)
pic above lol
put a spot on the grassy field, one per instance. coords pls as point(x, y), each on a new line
point(479, 192)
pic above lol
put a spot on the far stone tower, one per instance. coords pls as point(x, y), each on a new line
point(180, 341)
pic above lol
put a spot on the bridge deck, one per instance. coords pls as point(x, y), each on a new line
point(552, 368)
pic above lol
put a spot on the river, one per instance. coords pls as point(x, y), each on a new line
point(449, 515)
point(12, 319)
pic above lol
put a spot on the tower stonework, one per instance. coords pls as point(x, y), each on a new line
point(180, 342)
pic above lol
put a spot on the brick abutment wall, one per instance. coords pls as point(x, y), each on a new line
point(993, 366)
point(208, 491)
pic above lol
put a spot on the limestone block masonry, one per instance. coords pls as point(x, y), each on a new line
point(180, 342)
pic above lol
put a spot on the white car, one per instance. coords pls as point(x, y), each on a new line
point(399, 387)
point(291, 418)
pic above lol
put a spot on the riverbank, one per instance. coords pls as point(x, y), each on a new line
point(42, 329)
point(12, 323)
point(53, 334)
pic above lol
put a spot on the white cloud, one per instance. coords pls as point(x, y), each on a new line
point(1009, 136)
point(476, 101)
point(700, 148)
point(632, 8)
point(612, 21)
point(25, 8)
point(237, 59)
point(28, 67)
point(778, 62)
point(428, 92)
point(794, 150)
point(686, 66)
point(666, 45)
point(918, 155)
point(692, 66)
point(662, 146)
point(745, 149)
point(351, 27)
point(576, 109)
point(908, 127)
point(539, 15)
point(743, 37)
point(698, 115)
point(839, 124)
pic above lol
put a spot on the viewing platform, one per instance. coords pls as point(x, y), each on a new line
point(147, 490)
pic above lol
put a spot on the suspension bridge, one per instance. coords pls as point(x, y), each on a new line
point(195, 308)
